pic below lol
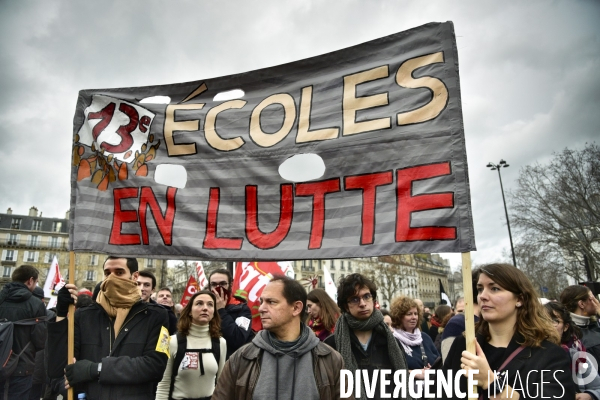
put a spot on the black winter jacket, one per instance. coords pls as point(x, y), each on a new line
point(536, 372)
point(236, 335)
point(131, 362)
point(17, 303)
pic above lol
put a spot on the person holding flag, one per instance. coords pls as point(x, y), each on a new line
point(121, 342)
point(235, 314)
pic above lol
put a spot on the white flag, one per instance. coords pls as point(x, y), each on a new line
point(54, 281)
point(201, 276)
point(330, 287)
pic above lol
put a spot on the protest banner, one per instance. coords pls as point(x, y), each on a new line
point(250, 279)
point(190, 289)
point(173, 172)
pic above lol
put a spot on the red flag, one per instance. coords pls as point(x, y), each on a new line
point(251, 278)
point(190, 289)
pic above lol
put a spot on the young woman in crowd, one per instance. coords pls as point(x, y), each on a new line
point(323, 313)
point(517, 353)
point(570, 341)
point(192, 369)
point(387, 318)
point(418, 346)
point(436, 320)
point(583, 305)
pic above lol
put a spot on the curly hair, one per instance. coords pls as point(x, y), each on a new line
point(330, 312)
point(185, 320)
point(400, 307)
point(350, 285)
point(533, 322)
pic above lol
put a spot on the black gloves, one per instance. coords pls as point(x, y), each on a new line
point(81, 371)
point(63, 299)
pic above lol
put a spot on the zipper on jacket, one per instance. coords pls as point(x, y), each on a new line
point(122, 326)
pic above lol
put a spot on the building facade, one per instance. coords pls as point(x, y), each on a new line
point(36, 240)
point(412, 275)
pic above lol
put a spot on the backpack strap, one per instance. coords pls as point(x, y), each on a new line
point(181, 348)
point(216, 349)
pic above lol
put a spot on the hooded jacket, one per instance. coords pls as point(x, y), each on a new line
point(309, 371)
point(18, 303)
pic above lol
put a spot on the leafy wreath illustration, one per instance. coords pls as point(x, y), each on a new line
point(106, 169)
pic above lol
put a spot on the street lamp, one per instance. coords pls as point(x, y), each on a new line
point(496, 167)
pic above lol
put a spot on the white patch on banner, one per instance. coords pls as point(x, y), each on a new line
point(119, 126)
point(242, 322)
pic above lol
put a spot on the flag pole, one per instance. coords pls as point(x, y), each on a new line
point(71, 322)
point(469, 313)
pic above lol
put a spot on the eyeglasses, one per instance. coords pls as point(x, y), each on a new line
point(356, 299)
point(217, 284)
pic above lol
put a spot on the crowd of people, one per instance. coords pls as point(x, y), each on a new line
point(131, 342)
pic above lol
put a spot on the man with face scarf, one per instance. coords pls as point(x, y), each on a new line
point(121, 342)
point(236, 318)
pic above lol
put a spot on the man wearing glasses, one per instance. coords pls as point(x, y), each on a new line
point(361, 336)
point(236, 319)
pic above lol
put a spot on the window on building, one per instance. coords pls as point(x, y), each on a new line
point(149, 263)
point(36, 225)
point(16, 223)
point(31, 256)
point(94, 259)
point(55, 242)
point(8, 255)
point(56, 226)
point(6, 272)
point(49, 257)
point(33, 240)
point(91, 276)
point(342, 265)
point(12, 239)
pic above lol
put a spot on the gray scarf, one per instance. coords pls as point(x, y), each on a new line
point(347, 323)
point(288, 347)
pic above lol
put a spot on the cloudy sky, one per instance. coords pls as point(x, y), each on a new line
point(529, 75)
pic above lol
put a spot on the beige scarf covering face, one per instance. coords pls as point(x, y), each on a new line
point(117, 296)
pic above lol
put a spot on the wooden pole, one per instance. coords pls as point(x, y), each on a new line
point(71, 322)
point(469, 313)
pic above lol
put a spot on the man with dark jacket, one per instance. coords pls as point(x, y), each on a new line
point(236, 318)
point(121, 342)
point(164, 297)
point(362, 338)
point(285, 360)
point(17, 303)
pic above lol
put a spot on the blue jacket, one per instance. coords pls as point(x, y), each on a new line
point(415, 360)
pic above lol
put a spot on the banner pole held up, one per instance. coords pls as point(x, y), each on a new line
point(469, 313)
point(71, 321)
